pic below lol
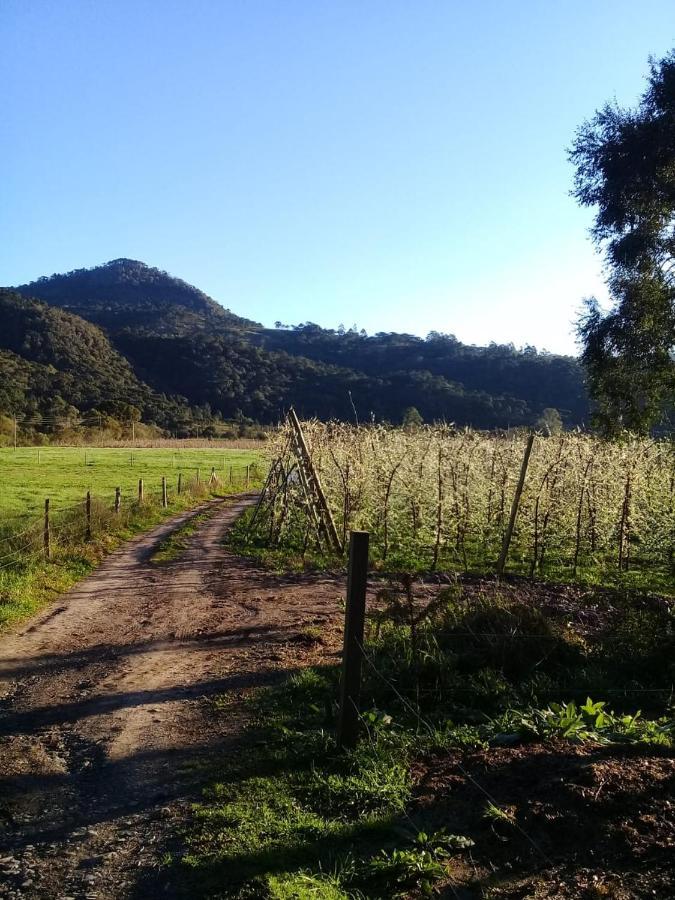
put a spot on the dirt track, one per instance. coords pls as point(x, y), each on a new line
point(107, 725)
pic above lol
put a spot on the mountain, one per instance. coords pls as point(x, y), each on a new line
point(53, 363)
point(125, 293)
point(183, 343)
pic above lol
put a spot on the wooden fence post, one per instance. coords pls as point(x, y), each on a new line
point(46, 531)
point(165, 501)
point(87, 508)
point(352, 654)
point(180, 482)
point(248, 475)
point(140, 490)
point(230, 474)
point(514, 506)
point(118, 499)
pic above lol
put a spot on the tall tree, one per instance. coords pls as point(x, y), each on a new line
point(625, 167)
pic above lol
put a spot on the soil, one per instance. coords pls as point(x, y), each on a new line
point(580, 821)
point(108, 726)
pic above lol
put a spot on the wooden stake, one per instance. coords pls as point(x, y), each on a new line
point(118, 499)
point(140, 490)
point(46, 531)
point(180, 482)
point(87, 507)
point(165, 501)
point(352, 654)
point(514, 506)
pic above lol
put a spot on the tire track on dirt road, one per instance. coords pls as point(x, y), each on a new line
point(107, 721)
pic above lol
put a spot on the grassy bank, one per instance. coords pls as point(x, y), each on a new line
point(472, 708)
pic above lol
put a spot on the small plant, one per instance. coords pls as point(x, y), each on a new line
point(497, 814)
point(311, 634)
point(591, 721)
point(408, 868)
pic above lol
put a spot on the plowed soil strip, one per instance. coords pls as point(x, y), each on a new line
point(107, 725)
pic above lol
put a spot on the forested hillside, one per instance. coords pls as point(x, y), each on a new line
point(180, 342)
point(55, 364)
point(125, 293)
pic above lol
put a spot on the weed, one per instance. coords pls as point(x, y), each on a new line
point(591, 721)
point(496, 814)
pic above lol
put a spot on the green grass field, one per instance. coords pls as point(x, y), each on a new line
point(28, 476)
point(64, 474)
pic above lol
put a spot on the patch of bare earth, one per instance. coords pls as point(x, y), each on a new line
point(108, 728)
point(581, 821)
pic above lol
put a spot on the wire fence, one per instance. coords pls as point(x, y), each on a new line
point(62, 526)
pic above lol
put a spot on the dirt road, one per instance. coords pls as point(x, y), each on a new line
point(107, 721)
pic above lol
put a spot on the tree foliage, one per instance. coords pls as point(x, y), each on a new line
point(625, 168)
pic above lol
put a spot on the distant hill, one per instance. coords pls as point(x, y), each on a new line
point(125, 293)
point(53, 363)
point(181, 342)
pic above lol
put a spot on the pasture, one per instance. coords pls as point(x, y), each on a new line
point(29, 475)
point(34, 568)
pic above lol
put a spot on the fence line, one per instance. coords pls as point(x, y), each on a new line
point(84, 518)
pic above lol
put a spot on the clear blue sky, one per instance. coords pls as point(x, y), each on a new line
point(399, 165)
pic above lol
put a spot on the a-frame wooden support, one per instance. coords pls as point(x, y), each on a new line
point(311, 483)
